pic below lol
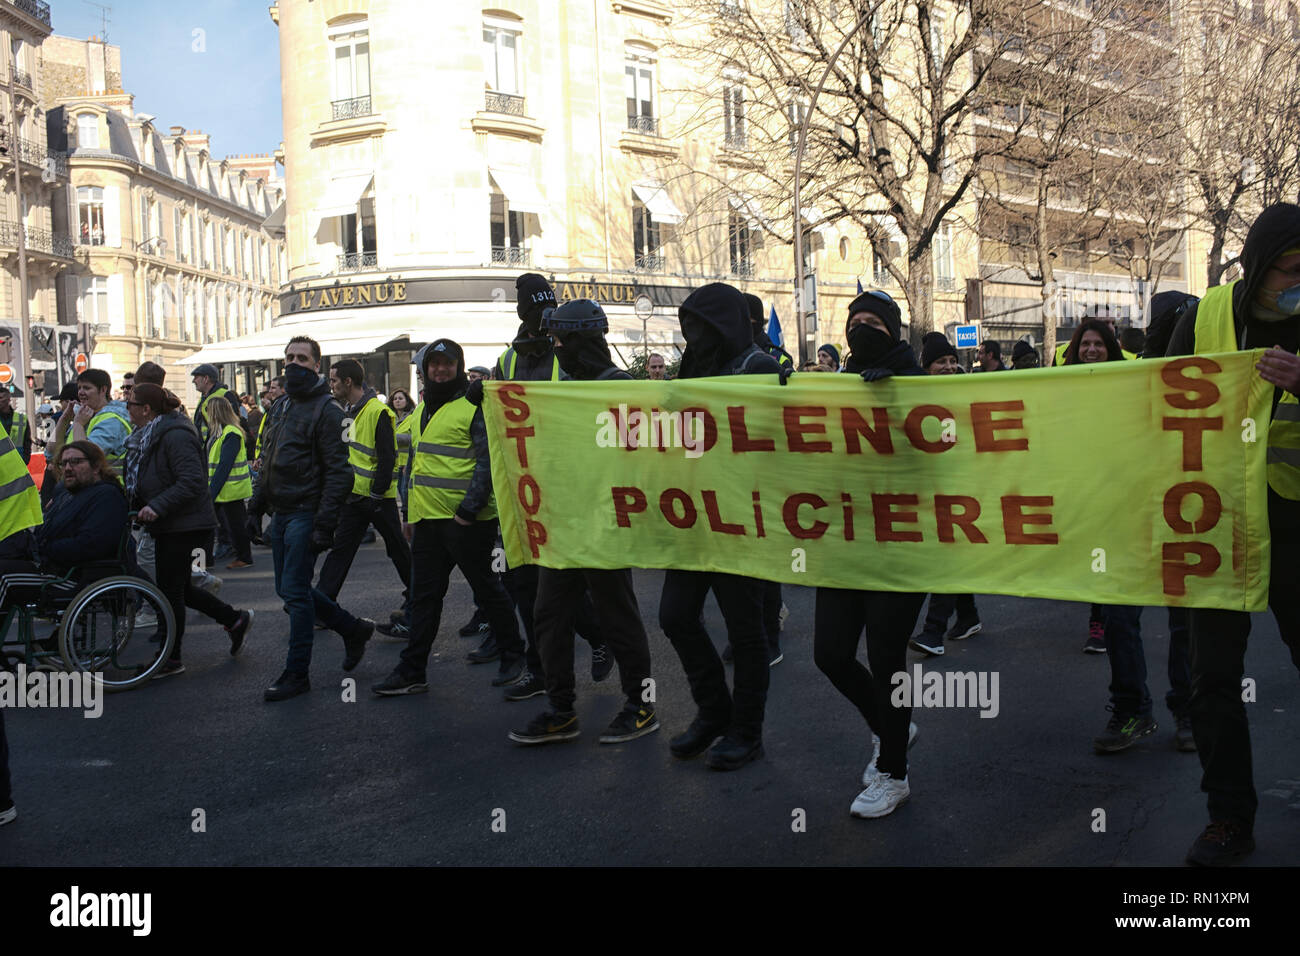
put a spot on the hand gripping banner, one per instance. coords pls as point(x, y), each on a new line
point(1137, 482)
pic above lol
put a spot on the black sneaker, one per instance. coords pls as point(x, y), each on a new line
point(1221, 844)
point(602, 662)
point(169, 669)
point(962, 631)
point(699, 736)
point(487, 651)
point(1123, 732)
point(633, 721)
point(732, 753)
point(927, 643)
point(238, 631)
point(509, 670)
point(354, 645)
point(548, 727)
point(1183, 737)
point(287, 685)
point(8, 814)
point(397, 630)
point(528, 685)
point(399, 683)
point(1096, 643)
point(728, 655)
point(478, 625)
point(774, 655)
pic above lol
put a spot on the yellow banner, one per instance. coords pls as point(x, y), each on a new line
point(1120, 483)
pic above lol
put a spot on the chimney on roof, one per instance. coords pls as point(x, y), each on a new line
point(177, 131)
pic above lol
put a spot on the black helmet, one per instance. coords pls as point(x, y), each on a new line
point(580, 315)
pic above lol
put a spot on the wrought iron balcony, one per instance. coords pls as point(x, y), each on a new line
point(737, 140)
point(35, 9)
point(651, 263)
point(358, 261)
point(945, 283)
point(881, 277)
point(33, 153)
point(742, 267)
point(509, 103)
point(511, 256)
point(646, 125)
point(357, 106)
point(23, 78)
point(38, 240)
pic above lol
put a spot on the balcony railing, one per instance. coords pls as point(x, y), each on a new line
point(511, 256)
point(38, 240)
point(945, 283)
point(881, 277)
point(32, 152)
point(647, 125)
point(736, 140)
point(23, 78)
point(357, 106)
point(742, 267)
point(358, 261)
point(509, 103)
point(34, 8)
point(650, 263)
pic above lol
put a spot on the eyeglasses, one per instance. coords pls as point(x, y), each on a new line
point(65, 462)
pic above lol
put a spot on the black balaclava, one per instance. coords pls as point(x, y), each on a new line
point(867, 344)
point(583, 355)
point(535, 296)
point(715, 323)
point(437, 394)
point(299, 380)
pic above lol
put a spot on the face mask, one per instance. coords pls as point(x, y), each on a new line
point(1274, 306)
point(869, 344)
point(299, 380)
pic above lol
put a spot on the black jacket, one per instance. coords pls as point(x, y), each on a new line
point(304, 461)
point(173, 479)
point(82, 526)
point(719, 338)
point(535, 359)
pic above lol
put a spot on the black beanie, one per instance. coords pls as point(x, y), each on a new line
point(755, 308)
point(535, 296)
point(935, 346)
point(1020, 350)
point(879, 303)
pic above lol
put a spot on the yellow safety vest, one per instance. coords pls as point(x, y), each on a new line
point(1060, 354)
point(261, 426)
point(16, 429)
point(444, 464)
point(362, 455)
point(239, 483)
point(407, 426)
point(509, 358)
point(114, 461)
point(20, 502)
point(201, 420)
point(1216, 331)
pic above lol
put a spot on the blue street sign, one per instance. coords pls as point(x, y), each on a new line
point(968, 336)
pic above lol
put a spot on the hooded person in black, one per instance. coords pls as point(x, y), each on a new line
point(450, 530)
point(719, 341)
point(1260, 310)
point(876, 352)
point(531, 356)
point(564, 596)
point(759, 324)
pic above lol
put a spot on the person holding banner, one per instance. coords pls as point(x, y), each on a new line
point(719, 341)
point(876, 352)
point(1261, 310)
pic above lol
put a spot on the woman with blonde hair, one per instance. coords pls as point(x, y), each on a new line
point(229, 480)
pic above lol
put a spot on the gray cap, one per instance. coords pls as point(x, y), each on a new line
point(209, 370)
point(485, 372)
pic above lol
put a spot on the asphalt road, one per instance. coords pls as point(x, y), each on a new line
point(421, 780)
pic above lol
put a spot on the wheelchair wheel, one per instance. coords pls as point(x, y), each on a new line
point(121, 629)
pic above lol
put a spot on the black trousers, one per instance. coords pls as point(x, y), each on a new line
point(560, 596)
point(439, 547)
point(6, 786)
point(888, 617)
point(234, 519)
point(740, 599)
point(521, 584)
point(174, 556)
point(772, 613)
point(354, 518)
point(941, 608)
point(1216, 659)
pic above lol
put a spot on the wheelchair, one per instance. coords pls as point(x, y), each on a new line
point(116, 626)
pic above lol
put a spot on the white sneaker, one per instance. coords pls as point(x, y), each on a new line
point(882, 797)
point(871, 772)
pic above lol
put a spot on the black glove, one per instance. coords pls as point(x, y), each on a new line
point(876, 374)
point(321, 540)
point(785, 372)
point(475, 392)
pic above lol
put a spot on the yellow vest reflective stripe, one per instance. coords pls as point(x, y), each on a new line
point(1216, 331)
point(114, 461)
point(261, 426)
point(407, 426)
point(16, 429)
point(444, 464)
point(239, 483)
point(510, 358)
point(361, 449)
point(200, 419)
point(20, 502)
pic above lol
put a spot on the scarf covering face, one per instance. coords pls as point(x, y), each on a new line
point(136, 446)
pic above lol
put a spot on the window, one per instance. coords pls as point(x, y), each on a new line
point(639, 71)
point(507, 233)
point(350, 48)
point(357, 237)
point(501, 53)
point(795, 19)
point(943, 273)
point(797, 112)
point(87, 131)
point(646, 239)
point(94, 300)
point(246, 258)
point(733, 111)
point(740, 244)
point(178, 232)
point(205, 245)
point(90, 215)
point(145, 219)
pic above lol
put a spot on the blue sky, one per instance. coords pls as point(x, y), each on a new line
point(224, 80)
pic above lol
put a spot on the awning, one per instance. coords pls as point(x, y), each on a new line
point(519, 189)
point(748, 207)
point(274, 223)
point(342, 195)
point(656, 199)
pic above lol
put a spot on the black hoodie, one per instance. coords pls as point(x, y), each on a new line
point(438, 394)
point(719, 339)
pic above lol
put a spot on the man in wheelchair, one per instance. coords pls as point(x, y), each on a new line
point(84, 525)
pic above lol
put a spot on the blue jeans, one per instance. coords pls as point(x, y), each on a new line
point(294, 564)
point(1129, 695)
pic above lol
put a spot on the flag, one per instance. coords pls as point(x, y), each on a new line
point(860, 287)
point(774, 329)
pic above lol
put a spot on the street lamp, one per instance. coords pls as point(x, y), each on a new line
point(799, 312)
